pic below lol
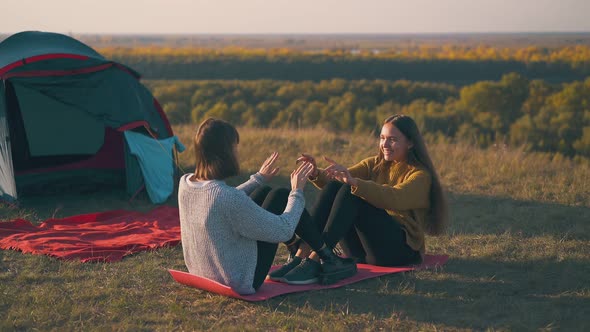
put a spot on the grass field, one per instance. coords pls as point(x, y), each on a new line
point(519, 246)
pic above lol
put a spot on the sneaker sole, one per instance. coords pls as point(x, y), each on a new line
point(279, 279)
point(300, 282)
point(332, 278)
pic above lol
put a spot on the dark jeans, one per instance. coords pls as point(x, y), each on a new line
point(364, 232)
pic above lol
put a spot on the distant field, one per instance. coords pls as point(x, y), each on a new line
point(451, 63)
point(519, 244)
point(459, 59)
point(324, 41)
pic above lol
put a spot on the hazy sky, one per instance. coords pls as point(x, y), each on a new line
point(294, 16)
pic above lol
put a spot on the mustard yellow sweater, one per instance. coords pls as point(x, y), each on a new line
point(401, 189)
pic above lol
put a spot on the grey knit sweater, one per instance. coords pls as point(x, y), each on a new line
point(220, 225)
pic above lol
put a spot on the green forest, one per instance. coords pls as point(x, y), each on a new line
point(530, 97)
point(513, 110)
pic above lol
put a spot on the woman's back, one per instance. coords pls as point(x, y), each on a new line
point(211, 247)
point(220, 225)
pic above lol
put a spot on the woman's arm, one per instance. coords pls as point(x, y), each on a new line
point(255, 181)
point(361, 171)
point(408, 195)
point(254, 222)
point(267, 171)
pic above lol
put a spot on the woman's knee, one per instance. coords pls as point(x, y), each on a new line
point(278, 193)
point(276, 200)
point(333, 186)
point(329, 191)
point(259, 194)
point(261, 191)
point(345, 188)
point(345, 194)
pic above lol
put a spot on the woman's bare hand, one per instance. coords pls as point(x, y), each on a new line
point(339, 173)
point(300, 174)
point(310, 159)
point(268, 169)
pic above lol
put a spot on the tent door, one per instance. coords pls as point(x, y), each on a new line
point(7, 182)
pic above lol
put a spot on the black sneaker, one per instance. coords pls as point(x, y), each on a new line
point(279, 273)
point(305, 273)
point(335, 268)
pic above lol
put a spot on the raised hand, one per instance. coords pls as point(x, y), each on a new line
point(268, 169)
point(300, 174)
point(339, 173)
point(310, 159)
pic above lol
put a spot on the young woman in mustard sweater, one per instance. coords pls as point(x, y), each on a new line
point(379, 209)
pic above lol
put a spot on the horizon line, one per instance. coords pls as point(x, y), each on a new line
point(308, 33)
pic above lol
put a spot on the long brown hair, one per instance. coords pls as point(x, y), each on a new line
point(215, 158)
point(418, 156)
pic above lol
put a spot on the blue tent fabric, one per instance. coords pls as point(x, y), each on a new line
point(26, 44)
point(58, 100)
point(156, 161)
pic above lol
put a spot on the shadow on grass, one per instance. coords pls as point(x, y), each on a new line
point(467, 293)
point(476, 214)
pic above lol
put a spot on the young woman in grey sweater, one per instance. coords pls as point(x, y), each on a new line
point(231, 234)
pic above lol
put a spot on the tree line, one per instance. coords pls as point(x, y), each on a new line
point(536, 114)
point(459, 65)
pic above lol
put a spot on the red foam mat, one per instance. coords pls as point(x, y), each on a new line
point(272, 288)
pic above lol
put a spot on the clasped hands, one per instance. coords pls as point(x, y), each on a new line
point(307, 168)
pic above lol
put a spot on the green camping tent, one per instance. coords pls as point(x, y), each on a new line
point(63, 113)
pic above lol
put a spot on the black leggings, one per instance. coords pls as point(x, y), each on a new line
point(364, 232)
point(275, 201)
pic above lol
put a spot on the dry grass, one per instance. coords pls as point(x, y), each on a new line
point(519, 243)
